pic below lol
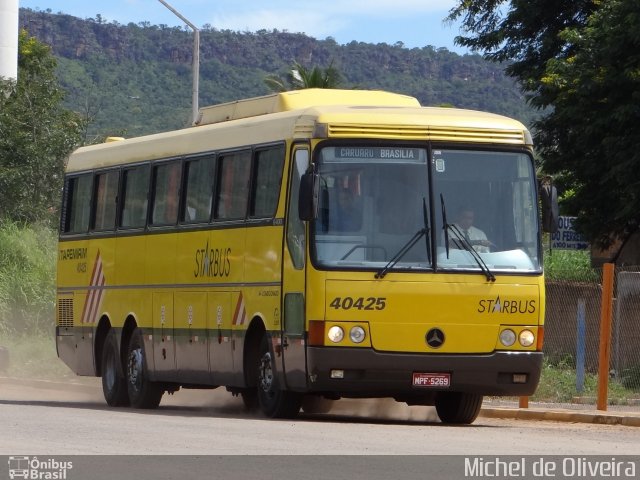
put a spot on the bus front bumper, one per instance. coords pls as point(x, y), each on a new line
point(360, 372)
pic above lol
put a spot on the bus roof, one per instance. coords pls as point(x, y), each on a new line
point(304, 114)
point(299, 99)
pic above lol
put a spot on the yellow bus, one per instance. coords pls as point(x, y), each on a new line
point(303, 247)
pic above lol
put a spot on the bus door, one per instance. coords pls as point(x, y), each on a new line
point(293, 281)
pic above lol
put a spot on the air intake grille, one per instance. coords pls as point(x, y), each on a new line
point(445, 134)
point(65, 312)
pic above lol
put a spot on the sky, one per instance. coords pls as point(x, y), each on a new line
point(415, 23)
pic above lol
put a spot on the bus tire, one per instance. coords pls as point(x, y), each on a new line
point(273, 402)
point(143, 393)
point(458, 407)
point(114, 383)
point(249, 399)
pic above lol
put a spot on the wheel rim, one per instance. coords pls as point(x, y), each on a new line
point(265, 373)
point(135, 368)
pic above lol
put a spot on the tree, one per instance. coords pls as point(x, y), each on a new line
point(524, 33)
point(580, 59)
point(300, 77)
point(36, 135)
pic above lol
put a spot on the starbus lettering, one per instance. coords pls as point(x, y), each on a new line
point(212, 262)
point(497, 305)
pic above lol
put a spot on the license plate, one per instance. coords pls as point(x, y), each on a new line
point(431, 380)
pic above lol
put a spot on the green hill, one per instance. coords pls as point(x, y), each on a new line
point(136, 79)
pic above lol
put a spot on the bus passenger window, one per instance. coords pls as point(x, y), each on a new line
point(198, 189)
point(266, 182)
point(77, 205)
point(233, 183)
point(166, 189)
point(134, 204)
point(106, 193)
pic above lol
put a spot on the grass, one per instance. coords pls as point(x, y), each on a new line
point(570, 265)
point(27, 301)
point(27, 278)
point(558, 385)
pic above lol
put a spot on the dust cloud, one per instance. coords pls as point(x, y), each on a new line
point(374, 409)
point(31, 370)
point(384, 409)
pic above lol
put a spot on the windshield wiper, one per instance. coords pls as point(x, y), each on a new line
point(407, 246)
point(462, 241)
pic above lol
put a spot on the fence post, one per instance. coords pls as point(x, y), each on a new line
point(581, 336)
point(604, 355)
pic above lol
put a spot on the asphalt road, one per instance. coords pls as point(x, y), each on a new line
point(56, 419)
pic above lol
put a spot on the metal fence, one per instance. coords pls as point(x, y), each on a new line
point(572, 341)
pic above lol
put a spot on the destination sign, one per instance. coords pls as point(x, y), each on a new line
point(377, 154)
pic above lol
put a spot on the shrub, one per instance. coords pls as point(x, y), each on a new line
point(27, 278)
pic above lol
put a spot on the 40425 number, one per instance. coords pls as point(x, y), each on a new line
point(360, 303)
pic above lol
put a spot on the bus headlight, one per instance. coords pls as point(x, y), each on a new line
point(507, 337)
point(335, 334)
point(527, 338)
point(357, 334)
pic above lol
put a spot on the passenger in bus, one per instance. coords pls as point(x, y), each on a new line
point(348, 213)
point(473, 235)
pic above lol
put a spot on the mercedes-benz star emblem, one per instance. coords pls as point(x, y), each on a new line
point(434, 338)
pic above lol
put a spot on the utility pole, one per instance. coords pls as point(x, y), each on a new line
point(9, 39)
point(196, 61)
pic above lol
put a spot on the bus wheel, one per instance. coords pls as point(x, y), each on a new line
point(143, 393)
point(249, 399)
point(114, 383)
point(458, 407)
point(273, 401)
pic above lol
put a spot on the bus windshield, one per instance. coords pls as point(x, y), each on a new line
point(376, 210)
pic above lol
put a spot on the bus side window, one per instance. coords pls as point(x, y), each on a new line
point(77, 205)
point(267, 174)
point(166, 188)
point(198, 188)
point(135, 194)
point(232, 189)
point(106, 194)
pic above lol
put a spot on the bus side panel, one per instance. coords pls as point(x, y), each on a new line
point(192, 342)
point(263, 258)
point(164, 350)
point(85, 361)
point(73, 271)
point(220, 345)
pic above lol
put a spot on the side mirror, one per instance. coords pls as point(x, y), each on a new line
point(550, 210)
point(308, 197)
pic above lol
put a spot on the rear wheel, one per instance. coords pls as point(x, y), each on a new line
point(143, 393)
point(114, 384)
point(458, 407)
point(273, 401)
